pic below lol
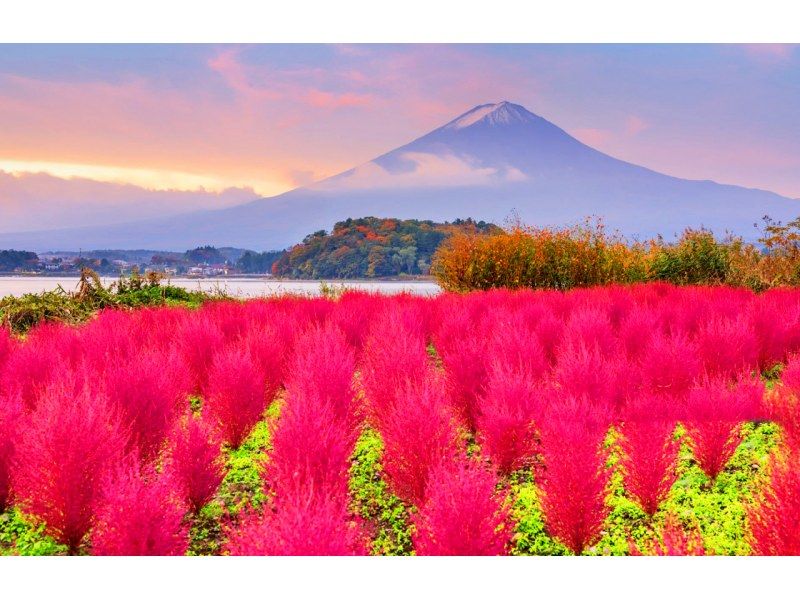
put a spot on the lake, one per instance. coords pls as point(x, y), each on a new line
point(240, 287)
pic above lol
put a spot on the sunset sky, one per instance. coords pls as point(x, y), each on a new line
point(272, 117)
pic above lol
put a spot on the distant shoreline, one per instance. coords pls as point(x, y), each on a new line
point(76, 276)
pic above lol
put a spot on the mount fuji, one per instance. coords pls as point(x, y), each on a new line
point(492, 162)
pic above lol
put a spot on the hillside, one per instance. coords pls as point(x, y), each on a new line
point(371, 247)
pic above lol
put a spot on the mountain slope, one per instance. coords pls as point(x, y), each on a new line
point(492, 162)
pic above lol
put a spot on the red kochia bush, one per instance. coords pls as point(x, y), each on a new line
point(715, 412)
point(236, 393)
point(311, 448)
point(10, 417)
point(319, 424)
point(774, 518)
point(463, 357)
point(67, 446)
point(149, 388)
point(195, 464)
point(650, 450)
point(199, 339)
point(507, 410)
point(139, 515)
point(322, 370)
point(727, 345)
point(573, 477)
point(301, 524)
point(394, 355)
point(418, 433)
point(6, 345)
point(669, 365)
point(463, 514)
point(49, 352)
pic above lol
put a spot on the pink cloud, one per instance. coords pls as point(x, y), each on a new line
point(770, 52)
point(324, 99)
point(635, 125)
point(40, 201)
point(591, 136)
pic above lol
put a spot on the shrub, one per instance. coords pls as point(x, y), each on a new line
point(317, 431)
point(270, 356)
point(573, 476)
point(194, 461)
point(393, 357)
point(774, 517)
point(464, 360)
point(564, 258)
point(727, 346)
point(67, 446)
point(311, 448)
point(199, 339)
point(10, 419)
point(236, 393)
point(49, 352)
point(301, 524)
point(463, 514)
point(669, 365)
point(6, 346)
point(696, 258)
point(715, 412)
point(418, 433)
point(650, 451)
point(149, 389)
point(506, 413)
point(139, 515)
point(322, 370)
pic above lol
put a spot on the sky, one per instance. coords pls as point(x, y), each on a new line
point(198, 126)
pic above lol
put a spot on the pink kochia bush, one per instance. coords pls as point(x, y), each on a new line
point(194, 461)
point(463, 513)
point(507, 410)
point(715, 412)
point(319, 423)
point(139, 514)
point(67, 446)
point(774, 518)
point(391, 359)
point(650, 450)
point(420, 432)
point(149, 388)
point(305, 523)
point(235, 395)
point(10, 418)
point(573, 476)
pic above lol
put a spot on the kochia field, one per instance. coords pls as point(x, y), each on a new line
point(647, 419)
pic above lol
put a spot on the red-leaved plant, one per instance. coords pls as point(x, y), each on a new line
point(463, 513)
point(67, 446)
point(715, 412)
point(10, 419)
point(300, 524)
point(194, 462)
point(235, 397)
point(507, 409)
point(419, 432)
point(650, 450)
point(774, 516)
point(573, 476)
point(139, 514)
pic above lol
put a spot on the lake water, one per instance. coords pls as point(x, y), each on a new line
point(240, 287)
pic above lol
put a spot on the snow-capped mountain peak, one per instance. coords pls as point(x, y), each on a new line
point(501, 113)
